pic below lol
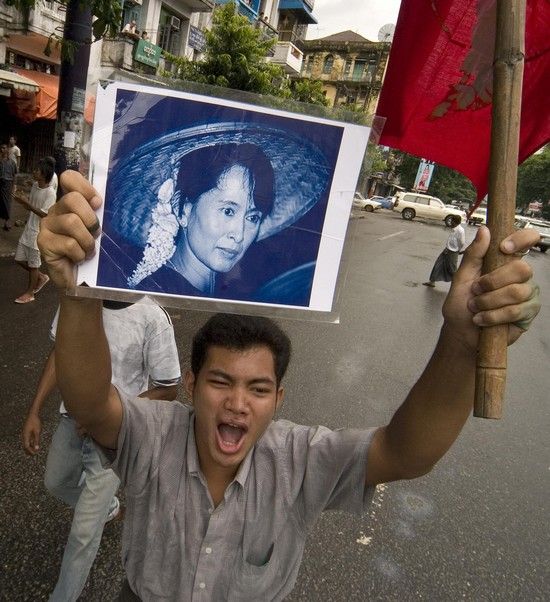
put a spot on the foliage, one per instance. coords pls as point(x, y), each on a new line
point(534, 180)
point(446, 183)
point(235, 58)
point(308, 90)
point(107, 17)
point(107, 13)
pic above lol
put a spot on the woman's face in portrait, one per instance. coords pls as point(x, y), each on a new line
point(223, 222)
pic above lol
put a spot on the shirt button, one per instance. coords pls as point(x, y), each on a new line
point(202, 585)
point(208, 550)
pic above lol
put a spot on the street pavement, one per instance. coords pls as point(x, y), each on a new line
point(475, 529)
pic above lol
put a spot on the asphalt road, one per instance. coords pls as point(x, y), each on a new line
point(476, 528)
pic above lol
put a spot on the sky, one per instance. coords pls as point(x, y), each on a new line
point(365, 17)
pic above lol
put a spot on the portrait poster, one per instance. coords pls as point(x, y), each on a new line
point(213, 199)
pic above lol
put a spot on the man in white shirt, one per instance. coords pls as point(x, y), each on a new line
point(14, 151)
point(144, 360)
point(446, 264)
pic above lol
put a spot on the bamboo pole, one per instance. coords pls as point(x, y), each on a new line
point(507, 84)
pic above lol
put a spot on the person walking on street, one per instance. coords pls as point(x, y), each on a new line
point(144, 359)
point(446, 264)
point(8, 171)
point(27, 255)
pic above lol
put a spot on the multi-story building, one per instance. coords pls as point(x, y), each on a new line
point(285, 20)
point(174, 26)
point(33, 78)
point(350, 66)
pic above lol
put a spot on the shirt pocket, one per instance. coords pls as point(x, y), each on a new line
point(253, 581)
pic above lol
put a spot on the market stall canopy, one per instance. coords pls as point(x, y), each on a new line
point(46, 101)
point(13, 81)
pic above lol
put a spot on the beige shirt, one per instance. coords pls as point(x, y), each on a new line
point(177, 546)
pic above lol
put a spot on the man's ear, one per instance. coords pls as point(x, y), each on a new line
point(189, 381)
point(280, 398)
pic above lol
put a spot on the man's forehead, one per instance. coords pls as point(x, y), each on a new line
point(252, 362)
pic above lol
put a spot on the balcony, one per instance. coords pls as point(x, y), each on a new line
point(200, 6)
point(302, 9)
point(118, 53)
point(289, 57)
point(247, 8)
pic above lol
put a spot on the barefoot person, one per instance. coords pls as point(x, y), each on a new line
point(220, 497)
point(27, 255)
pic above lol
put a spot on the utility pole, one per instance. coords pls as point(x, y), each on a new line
point(72, 85)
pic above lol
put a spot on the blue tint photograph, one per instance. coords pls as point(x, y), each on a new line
point(214, 199)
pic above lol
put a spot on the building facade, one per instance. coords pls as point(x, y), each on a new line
point(284, 20)
point(350, 66)
point(175, 26)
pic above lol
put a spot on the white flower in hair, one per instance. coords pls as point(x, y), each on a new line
point(160, 245)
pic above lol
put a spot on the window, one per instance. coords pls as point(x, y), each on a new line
point(170, 31)
point(347, 67)
point(358, 69)
point(328, 64)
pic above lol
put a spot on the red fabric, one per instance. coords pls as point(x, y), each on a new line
point(437, 91)
point(22, 105)
point(47, 95)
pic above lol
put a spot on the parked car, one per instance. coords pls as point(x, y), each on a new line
point(413, 204)
point(360, 202)
point(385, 201)
point(542, 227)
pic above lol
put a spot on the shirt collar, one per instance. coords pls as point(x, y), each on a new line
point(193, 465)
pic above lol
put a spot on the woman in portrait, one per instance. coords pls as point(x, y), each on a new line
point(210, 192)
point(221, 195)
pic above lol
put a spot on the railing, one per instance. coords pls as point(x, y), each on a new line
point(247, 11)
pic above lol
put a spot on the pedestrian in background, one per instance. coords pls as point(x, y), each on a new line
point(53, 182)
point(446, 264)
point(14, 151)
point(27, 255)
point(144, 359)
point(8, 171)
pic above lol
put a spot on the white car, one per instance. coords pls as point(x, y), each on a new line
point(360, 202)
point(414, 204)
point(478, 217)
point(541, 226)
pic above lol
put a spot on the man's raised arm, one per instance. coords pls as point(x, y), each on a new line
point(434, 412)
point(82, 359)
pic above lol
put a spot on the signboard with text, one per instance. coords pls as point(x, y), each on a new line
point(197, 39)
point(147, 53)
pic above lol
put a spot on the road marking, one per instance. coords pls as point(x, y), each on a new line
point(391, 235)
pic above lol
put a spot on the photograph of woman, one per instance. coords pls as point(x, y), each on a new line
point(229, 204)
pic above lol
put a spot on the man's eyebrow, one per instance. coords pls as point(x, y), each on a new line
point(253, 381)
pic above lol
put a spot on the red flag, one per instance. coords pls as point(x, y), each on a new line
point(437, 91)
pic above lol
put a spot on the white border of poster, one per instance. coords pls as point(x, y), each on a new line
point(114, 131)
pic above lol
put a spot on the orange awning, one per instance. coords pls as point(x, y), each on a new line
point(28, 106)
point(33, 45)
point(46, 99)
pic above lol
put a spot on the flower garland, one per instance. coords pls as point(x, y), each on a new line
point(160, 245)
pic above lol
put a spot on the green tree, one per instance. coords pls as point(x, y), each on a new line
point(534, 180)
point(308, 90)
point(235, 57)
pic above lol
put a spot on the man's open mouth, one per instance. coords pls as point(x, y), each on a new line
point(230, 437)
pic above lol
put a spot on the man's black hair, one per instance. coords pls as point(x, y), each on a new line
point(46, 169)
point(239, 333)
